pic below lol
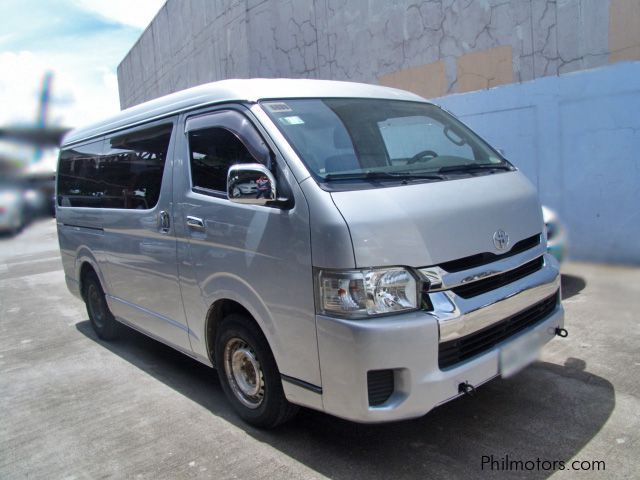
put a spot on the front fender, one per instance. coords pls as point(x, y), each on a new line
point(226, 286)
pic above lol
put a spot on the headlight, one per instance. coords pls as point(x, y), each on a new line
point(367, 292)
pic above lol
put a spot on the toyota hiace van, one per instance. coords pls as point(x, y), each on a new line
point(345, 247)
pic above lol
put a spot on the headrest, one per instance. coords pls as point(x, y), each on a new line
point(341, 138)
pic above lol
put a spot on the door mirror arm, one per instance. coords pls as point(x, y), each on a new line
point(282, 203)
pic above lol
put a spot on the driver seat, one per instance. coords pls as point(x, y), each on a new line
point(344, 161)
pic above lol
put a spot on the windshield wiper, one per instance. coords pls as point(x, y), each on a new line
point(382, 175)
point(474, 167)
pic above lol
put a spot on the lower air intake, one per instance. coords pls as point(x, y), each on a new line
point(380, 385)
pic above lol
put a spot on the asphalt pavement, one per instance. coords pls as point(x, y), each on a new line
point(73, 406)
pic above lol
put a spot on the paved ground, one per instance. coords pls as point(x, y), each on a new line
point(75, 407)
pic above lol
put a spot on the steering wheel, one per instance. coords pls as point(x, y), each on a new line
point(423, 156)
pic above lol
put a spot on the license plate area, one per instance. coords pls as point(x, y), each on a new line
point(520, 352)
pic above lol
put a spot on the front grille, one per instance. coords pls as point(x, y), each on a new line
point(455, 351)
point(483, 286)
point(479, 259)
point(380, 386)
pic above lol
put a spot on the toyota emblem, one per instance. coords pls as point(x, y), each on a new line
point(501, 239)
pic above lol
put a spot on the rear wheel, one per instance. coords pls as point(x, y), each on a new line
point(101, 318)
point(249, 375)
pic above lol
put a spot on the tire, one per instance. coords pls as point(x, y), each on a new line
point(101, 318)
point(248, 373)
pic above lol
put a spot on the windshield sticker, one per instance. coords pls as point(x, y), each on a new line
point(293, 120)
point(278, 107)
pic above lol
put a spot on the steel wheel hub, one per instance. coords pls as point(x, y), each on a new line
point(244, 373)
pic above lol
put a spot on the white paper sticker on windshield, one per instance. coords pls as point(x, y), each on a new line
point(292, 120)
point(278, 107)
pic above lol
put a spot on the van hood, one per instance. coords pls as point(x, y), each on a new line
point(427, 224)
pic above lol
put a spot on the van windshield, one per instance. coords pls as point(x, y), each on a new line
point(353, 139)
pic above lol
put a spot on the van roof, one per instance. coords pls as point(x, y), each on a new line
point(247, 90)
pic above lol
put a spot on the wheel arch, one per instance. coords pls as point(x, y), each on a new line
point(220, 309)
point(85, 264)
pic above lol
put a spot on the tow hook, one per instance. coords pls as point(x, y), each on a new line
point(466, 388)
point(561, 332)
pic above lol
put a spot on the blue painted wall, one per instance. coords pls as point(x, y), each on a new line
point(577, 137)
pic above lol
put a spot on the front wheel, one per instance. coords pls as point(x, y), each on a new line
point(249, 375)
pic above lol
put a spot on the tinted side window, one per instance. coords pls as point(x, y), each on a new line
point(78, 176)
point(133, 167)
point(213, 151)
point(128, 175)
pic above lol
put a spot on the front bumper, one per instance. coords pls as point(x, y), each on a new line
point(408, 344)
point(558, 249)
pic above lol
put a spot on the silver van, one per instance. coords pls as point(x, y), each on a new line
point(345, 247)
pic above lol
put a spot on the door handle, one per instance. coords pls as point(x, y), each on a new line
point(195, 223)
point(164, 221)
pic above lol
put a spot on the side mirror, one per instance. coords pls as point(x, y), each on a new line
point(251, 184)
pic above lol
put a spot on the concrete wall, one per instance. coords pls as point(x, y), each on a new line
point(577, 137)
point(433, 47)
